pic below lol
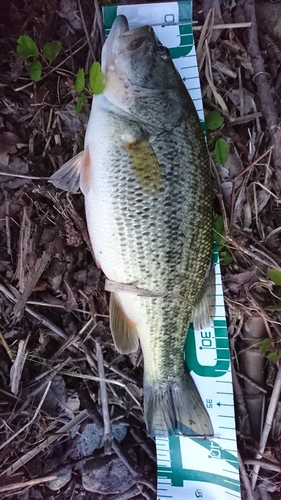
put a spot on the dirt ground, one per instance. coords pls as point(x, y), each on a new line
point(55, 341)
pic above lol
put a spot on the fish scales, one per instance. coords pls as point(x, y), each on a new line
point(151, 236)
point(148, 201)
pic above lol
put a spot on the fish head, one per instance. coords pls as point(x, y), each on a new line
point(135, 63)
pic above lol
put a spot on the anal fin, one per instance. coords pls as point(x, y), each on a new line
point(204, 311)
point(74, 174)
point(123, 329)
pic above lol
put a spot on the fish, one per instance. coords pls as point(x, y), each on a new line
point(145, 176)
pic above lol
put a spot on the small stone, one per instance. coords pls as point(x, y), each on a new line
point(92, 438)
point(106, 475)
point(64, 478)
point(89, 440)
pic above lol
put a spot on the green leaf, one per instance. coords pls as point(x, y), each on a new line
point(273, 356)
point(96, 85)
point(221, 151)
point(79, 104)
point(26, 47)
point(80, 80)
point(275, 276)
point(265, 345)
point(219, 232)
point(35, 71)
point(273, 308)
point(213, 120)
point(51, 50)
point(225, 257)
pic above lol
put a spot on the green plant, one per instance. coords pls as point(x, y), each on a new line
point(266, 346)
point(27, 48)
point(219, 236)
point(95, 84)
point(275, 276)
point(214, 121)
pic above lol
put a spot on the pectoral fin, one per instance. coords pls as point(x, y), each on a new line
point(144, 163)
point(74, 174)
point(205, 307)
point(123, 330)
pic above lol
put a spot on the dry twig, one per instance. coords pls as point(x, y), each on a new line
point(268, 423)
point(30, 421)
point(32, 482)
point(17, 367)
point(245, 479)
point(260, 78)
point(105, 412)
point(51, 439)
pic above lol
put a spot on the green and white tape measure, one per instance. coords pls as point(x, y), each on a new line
point(190, 468)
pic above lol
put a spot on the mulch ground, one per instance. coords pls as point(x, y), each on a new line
point(56, 441)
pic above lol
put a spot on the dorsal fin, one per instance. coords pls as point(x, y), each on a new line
point(74, 174)
point(122, 328)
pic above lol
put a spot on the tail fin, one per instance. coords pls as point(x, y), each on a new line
point(176, 407)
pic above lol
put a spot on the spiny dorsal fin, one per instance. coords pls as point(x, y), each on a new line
point(123, 329)
point(74, 174)
point(204, 310)
point(144, 163)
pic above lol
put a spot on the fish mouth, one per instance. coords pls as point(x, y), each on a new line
point(119, 27)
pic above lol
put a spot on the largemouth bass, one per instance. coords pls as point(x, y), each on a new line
point(145, 176)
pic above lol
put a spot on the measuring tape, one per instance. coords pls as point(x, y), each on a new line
point(190, 468)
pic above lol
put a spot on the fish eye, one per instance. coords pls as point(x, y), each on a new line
point(135, 44)
point(163, 51)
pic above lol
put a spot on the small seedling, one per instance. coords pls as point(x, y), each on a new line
point(95, 84)
point(266, 346)
point(80, 80)
point(26, 48)
point(35, 70)
point(214, 121)
point(221, 150)
point(220, 237)
point(275, 276)
point(51, 50)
